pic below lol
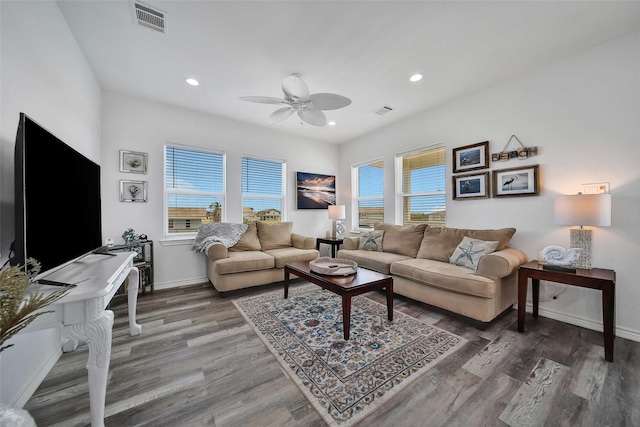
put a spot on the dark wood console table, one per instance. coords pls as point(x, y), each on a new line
point(333, 241)
point(597, 278)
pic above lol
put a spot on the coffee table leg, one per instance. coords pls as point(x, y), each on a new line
point(346, 316)
point(390, 301)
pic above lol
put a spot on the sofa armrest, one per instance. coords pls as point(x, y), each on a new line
point(501, 263)
point(350, 243)
point(216, 251)
point(303, 242)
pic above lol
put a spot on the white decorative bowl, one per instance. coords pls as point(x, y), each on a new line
point(333, 266)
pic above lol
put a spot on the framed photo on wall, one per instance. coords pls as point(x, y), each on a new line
point(133, 161)
point(133, 191)
point(516, 182)
point(315, 191)
point(471, 157)
point(471, 186)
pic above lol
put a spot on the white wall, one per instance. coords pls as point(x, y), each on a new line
point(583, 115)
point(44, 75)
point(130, 123)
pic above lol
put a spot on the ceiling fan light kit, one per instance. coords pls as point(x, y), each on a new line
point(298, 99)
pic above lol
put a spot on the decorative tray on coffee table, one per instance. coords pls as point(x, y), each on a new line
point(333, 266)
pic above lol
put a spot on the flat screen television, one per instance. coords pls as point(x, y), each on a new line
point(57, 200)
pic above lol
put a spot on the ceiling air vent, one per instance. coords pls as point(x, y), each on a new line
point(384, 110)
point(149, 17)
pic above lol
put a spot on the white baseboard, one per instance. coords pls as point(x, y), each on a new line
point(583, 322)
point(177, 284)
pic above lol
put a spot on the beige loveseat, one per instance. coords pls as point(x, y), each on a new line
point(259, 256)
point(420, 260)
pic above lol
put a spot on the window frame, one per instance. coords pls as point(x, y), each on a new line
point(399, 180)
point(166, 191)
point(355, 191)
point(283, 197)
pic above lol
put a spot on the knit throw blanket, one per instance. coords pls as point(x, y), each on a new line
point(224, 232)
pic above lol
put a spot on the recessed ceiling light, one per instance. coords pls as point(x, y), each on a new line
point(416, 78)
point(331, 123)
point(193, 82)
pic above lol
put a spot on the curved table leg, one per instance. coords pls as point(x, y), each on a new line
point(132, 291)
point(97, 334)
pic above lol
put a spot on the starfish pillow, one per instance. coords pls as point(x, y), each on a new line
point(469, 251)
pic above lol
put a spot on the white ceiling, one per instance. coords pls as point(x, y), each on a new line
point(364, 50)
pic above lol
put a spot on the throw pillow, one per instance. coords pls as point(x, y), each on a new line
point(402, 239)
point(249, 240)
point(274, 236)
point(371, 241)
point(469, 251)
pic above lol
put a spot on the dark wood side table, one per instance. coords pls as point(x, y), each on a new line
point(334, 242)
point(597, 278)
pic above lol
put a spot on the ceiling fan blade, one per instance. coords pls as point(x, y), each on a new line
point(280, 114)
point(313, 117)
point(295, 88)
point(328, 101)
point(263, 99)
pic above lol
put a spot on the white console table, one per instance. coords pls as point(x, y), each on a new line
point(85, 318)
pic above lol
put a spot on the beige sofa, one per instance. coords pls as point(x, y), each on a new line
point(420, 260)
point(259, 256)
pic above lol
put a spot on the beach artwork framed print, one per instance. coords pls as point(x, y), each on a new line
point(315, 191)
point(471, 186)
point(516, 182)
point(471, 157)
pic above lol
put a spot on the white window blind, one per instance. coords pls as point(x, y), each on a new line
point(422, 193)
point(263, 195)
point(368, 188)
point(194, 189)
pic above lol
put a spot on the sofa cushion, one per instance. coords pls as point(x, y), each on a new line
point(244, 261)
point(445, 276)
point(249, 240)
point(402, 239)
point(274, 236)
point(371, 241)
point(285, 255)
point(469, 251)
point(440, 242)
point(373, 260)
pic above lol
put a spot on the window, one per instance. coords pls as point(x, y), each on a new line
point(421, 187)
point(263, 196)
point(367, 182)
point(194, 189)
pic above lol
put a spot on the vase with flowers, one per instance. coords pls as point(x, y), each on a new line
point(21, 302)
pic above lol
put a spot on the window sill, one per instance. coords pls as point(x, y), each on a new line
point(177, 242)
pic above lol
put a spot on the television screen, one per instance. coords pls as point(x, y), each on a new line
point(58, 207)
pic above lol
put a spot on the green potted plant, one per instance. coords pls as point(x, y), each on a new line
point(132, 241)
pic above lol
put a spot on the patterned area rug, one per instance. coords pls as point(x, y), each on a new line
point(344, 380)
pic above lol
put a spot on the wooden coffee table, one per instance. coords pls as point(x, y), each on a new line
point(346, 286)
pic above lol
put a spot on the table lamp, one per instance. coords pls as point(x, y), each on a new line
point(336, 213)
point(582, 209)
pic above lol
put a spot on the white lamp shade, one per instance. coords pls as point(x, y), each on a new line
point(337, 212)
point(583, 209)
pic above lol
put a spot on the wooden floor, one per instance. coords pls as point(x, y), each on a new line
point(198, 363)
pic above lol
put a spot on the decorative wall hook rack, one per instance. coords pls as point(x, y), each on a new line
point(521, 153)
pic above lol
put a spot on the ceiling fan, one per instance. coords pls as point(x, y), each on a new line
point(298, 99)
